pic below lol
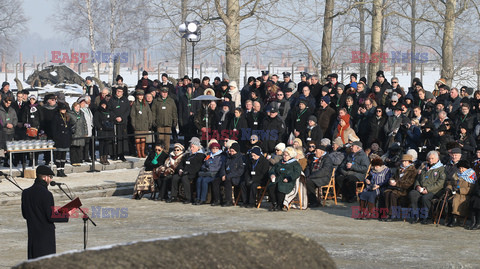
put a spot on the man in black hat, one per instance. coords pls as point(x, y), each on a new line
point(274, 128)
point(286, 79)
point(38, 210)
point(144, 83)
point(381, 81)
point(265, 78)
point(48, 111)
point(303, 80)
point(120, 110)
point(90, 89)
point(318, 173)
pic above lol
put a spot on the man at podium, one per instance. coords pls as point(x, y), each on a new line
point(37, 209)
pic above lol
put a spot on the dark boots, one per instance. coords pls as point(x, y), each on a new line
point(475, 221)
point(453, 221)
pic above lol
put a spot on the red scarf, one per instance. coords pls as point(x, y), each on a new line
point(341, 129)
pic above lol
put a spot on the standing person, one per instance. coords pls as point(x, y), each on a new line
point(142, 120)
point(120, 109)
point(104, 124)
point(9, 120)
point(85, 102)
point(164, 116)
point(186, 111)
point(5, 91)
point(62, 136)
point(120, 84)
point(275, 128)
point(32, 117)
point(37, 205)
point(90, 89)
point(48, 110)
point(144, 83)
point(20, 131)
point(79, 132)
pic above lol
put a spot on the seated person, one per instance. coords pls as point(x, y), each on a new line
point(283, 176)
point(187, 171)
point(145, 181)
point(256, 169)
point(460, 188)
point(209, 171)
point(277, 156)
point(399, 186)
point(231, 173)
point(428, 185)
point(375, 184)
point(164, 173)
point(318, 173)
point(352, 169)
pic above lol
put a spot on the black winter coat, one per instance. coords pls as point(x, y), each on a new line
point(119, 107)
point(260, 169)
point(103, 123)
point(32, 115)
point(274, 133)
point(149, 166)
point(315, 134)
point(234, 168)
point(46, 121)
point(37, 204)
point(191, 164)
point(62, 130)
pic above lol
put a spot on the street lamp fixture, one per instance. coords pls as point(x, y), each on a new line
point(191, 32)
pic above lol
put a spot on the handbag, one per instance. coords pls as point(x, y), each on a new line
point(32, 132)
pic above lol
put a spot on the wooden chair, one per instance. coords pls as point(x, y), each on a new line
point(328, 187)
point(361, 184)
point(263, 189)
point(298, 201)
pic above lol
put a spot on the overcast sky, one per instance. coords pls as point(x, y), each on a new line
point(39, 13)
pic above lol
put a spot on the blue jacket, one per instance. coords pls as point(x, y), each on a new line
point(213, 164)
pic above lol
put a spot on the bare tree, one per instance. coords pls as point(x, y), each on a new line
point(12, 23)
point(376, 36)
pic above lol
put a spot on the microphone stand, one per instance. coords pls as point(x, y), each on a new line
point(13, 182)
point(85, 217)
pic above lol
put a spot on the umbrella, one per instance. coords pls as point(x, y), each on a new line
point(206, 98)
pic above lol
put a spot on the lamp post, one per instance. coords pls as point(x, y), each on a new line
point(191, 32)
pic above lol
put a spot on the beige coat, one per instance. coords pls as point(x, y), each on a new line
point(461, 199)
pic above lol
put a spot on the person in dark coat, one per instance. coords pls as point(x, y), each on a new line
point(237, 126)
point(156, 158)
point(352, 169)
point(31, 118)
point(120, 84)
point(186, 112)
point(144, 83)
point(120, 110)
point(187, 171)
point(318, 173)
point(314, 133)
point(375, 127)
point(62, 136)
point(90, 89)
point(325, 116)
point(230, 174)
point(274, 128)
point(103, 121)
point(37, 205)
point(283, 177)
point(466, 141)
point(256, 170)
point(256, 117)
point(298, 119)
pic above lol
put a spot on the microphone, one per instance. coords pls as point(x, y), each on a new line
point(53, 183)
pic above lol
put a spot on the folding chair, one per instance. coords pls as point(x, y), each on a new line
point(263, 189)
point(328, 187)
point(361, 184)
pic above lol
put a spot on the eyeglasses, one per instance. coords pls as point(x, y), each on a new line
point(379, 111)
point(253, 139)
point(177, 150)
point(393, 101)
point(311, 146)
point(394, 82)
point(277, 150)
point(158, 150)
point(279, 94)
point(447, 124)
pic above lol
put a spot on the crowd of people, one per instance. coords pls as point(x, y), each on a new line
point(411, 147)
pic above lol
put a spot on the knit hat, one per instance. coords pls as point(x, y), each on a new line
point(377, 162)
point(180, 146)
point(357, 143)
point(229, 143)
point(32, 96)
point(463, 163)
point(214, 145)
point(407, 157)
point(326, 99)
point(325, 142)
point(256, 150)
point(280, 146)
point(380, 74)
point(291, 152)
point(211, 142)
point(144, 73)
point(312, 118)
point(236, 147)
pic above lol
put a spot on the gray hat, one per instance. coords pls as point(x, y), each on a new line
point(357, 143)
point(456, 151)
point(312, 118)
point(195, 141)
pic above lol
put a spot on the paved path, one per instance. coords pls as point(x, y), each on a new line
point(351, 243)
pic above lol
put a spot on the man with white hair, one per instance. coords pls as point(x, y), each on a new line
point(85, 101)
point(428, 185)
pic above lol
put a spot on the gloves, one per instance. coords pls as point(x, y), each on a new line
point(27, 125)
